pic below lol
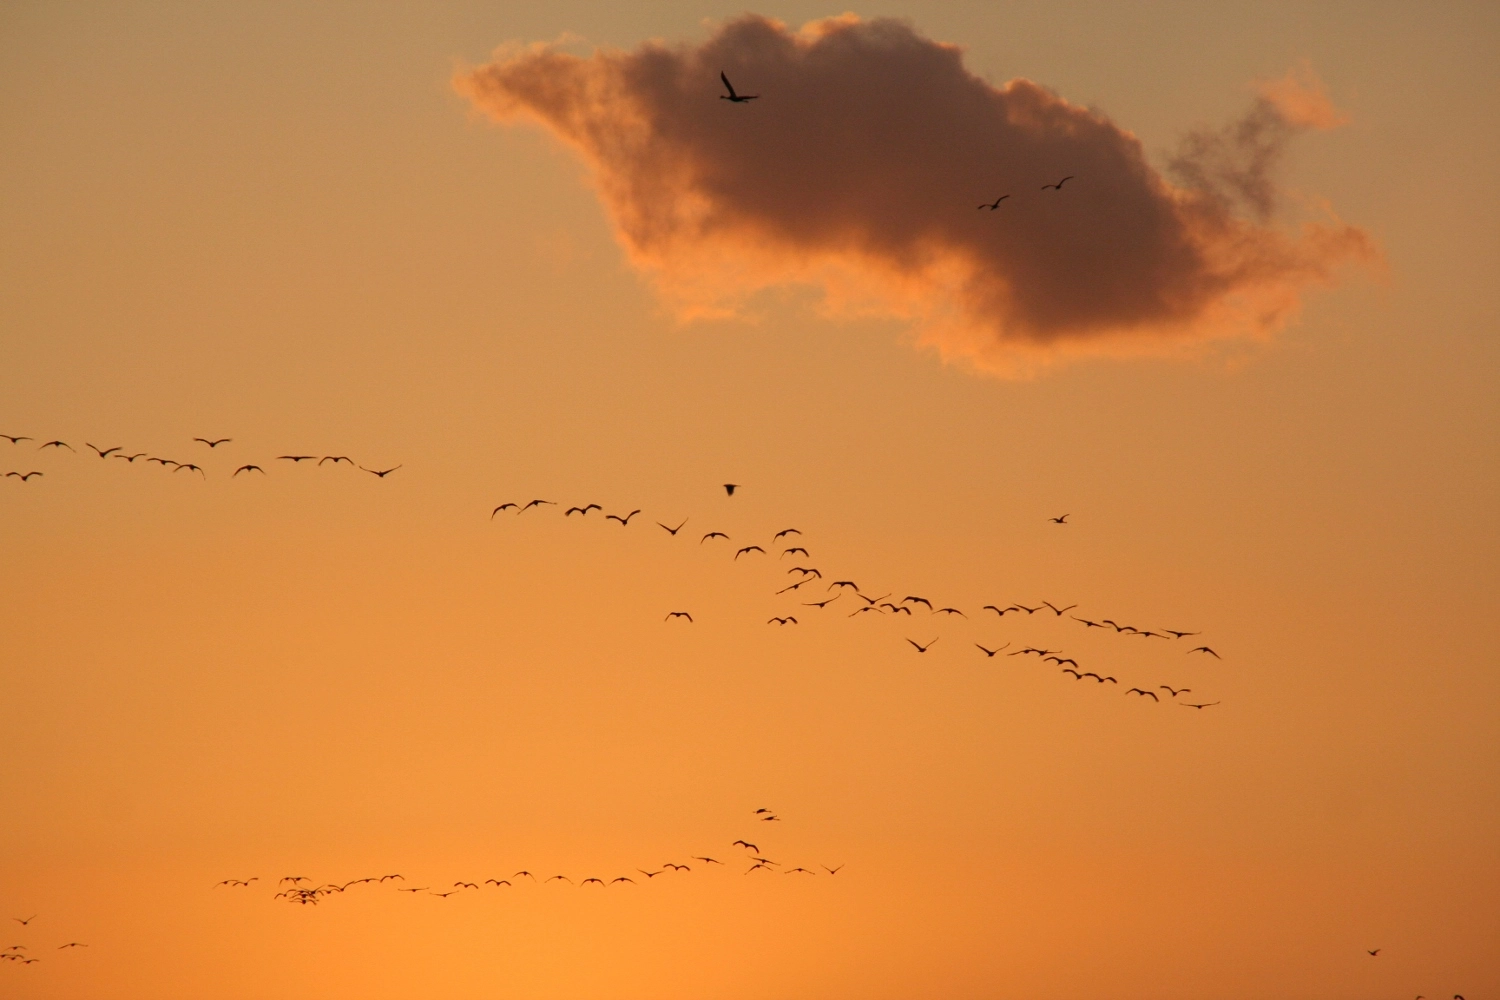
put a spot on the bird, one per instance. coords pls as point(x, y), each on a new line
point(819, 604)
point(806, 571)
point(104, 453)
point(794, 550)
point(581, 510)
point(711, 861)
point(737, 99)
point(992, 205)
point(729, 488)
point(677, 614)
point(832, 871)
point(294, 879)
point(192, 467)
point(758, 864)
point(1060, 660)
point(624, 521)
point(671, 531)
point(678, 868)
point(1206, 704)
point(991, 607)
point(443, 895)
point(335, 459)
point(622, 878)
point(749, 548)
point(760, 811)
point(1205, 649)
point(793, 871)
point(536, 503)
point(588, 880)
point(745, 844)
point(380, 473)
point(794, 586)
point(563, 877)
point(788, 620)
point(527, 874)
point(1178, 635)
point(920, 648)
point(56, 444)
point(1144, 694)
point(1060, 520)
point(1058, 185)
point(650, 874)
point(1373, 954)
point(248, 468)
point(385, 877)
point(773, 818)
point(918, 600)
point(1076, 675)
point(1174, 692)
point(164, 462)
point(296, 458)
point(1059, 611)
point(496, 882)
point(844, 583)
point(22, 476)
point(713, 534)
point(991, 652)
point(950, 611)
point(131, 458)
point(1086, 622)
point(504, 506)
point(420, 888)
point(16, 438)
point(784, 532)
point(23, 923)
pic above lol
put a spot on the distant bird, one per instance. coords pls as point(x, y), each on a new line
point(793, 871)
point(1206, 704)
point(729, 488)
point(563, 877)
point(712, 534)
point(992, 205)
point(672, 531)
point(164, 462)
point(384, 878)
point(832, 871)
point(819, 604)
point(536, 503)
point(248, 468)
point(1002, 614)
point(131, 458)
point(794, 550)
point(1058, 185)
point(650, 874)
point(1144, 694)
point(379, 473)
point(1373, 954)
point(918, 600)
point(105, 453)
point(294, 879)
point(443, 895)
point(190, 466)
point(770, 819)
point(1076, 675)
point(16, 438)
point(678, 868)
point(920, 648)
point(1178, 635)
point(296, 458)
point(950, 611)
point(1060, 660)
point(465, 885)
point(23, 923)
point(1174, 692)
point(215, 443)
point(760, 811)
point(588, 880)
point(55, 444)
point(335, 459)
point(1205, 649)
point(420, 888)
point(504, 506)
point(677, 614)
point(709, 861)
point(758, 864)
point(527, 874)
point(1059, 611)
point(807, 571)
point(844, 583)
point(1060, 520)
point(496, 882)
point(581, 510)
point(737, 99)
point(749, 548)
point(622, 878)
point(783, 533)
point(624, 521)
point(22, 476)
point(991, 652)
point(795, 586)
point(1086, 622)
point(788, 620)
point(745, 844)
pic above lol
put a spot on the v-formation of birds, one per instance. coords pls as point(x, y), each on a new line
point(786, 544)
point(198, 443)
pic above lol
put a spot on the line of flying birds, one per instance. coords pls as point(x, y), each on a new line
point(119, 451)
point(735, 97)
point(788, 541)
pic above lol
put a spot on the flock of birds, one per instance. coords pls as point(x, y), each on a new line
point(292, 890)
point(120, 452)
point(788, 543)
point(20, 954)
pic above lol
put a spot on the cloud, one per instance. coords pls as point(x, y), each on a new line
point(858, 171)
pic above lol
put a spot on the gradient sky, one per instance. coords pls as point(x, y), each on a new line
point(288, 228)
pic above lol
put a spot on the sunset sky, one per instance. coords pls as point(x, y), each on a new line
point(524, 251)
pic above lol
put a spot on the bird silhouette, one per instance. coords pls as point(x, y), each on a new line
point(581, 510)
point(1205, 649)
point(1059, 611)
point(1374, 953)
point(622, 878)
point(504, 506)
point(921, 648)
point(677, 614)
point(1060, 520)
point(588, 880)
point(131, 458)
point(950, 611)
point(820, 604)
point(190, 466)
point(992, 205)
point(832, 871)
point(788, 620)
point(103, 453)
point(918, 600)
point(56, 444)
point(379, 473)
point(783, 533)
point(1178, 635)
point(420, 888)
point(556, 877)
point(22, 476)
point(536, 503)
point(749, 548)
point(296, 458)
point(214, 443)
point(1174, 692)
point(1206, 704)
point(745, 844)
point(72, 944)
point(384, 878)
point(991, 652)
point(527, 874)
point(25, 922)
point(624, 521)
point(672, 531)
point(650, 874)
point(729, 488)
point(736, 98)
point(708, 860)
point(1058, 185)
point(16, 438)
point(794, 550)
point(496, 882)
point(712, 534)
point(248, 468)
point(1143, 694)
point(336, 459)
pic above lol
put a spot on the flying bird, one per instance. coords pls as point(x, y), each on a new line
point(22, 476)
point(504, 506)
point(745, 844)
point(991, 652)
point(496, 882)
point(784, 532)
point(214, 443)
point(794, 550)
point(380, 473)
point(420, 888)
point(248, 468)
point(335, 459)
point(918, 600)
point(556, 877)
point(650, 874)
point(749, 548)
point(131, 458)
point(920, 648)
point(443, 895)
point(672, 531)
point(191, 466)
point(385, 877)
point(992, 205)
point(1174, 692)
point(527, 874)
point(1373, 954)
point(793, 871)
point(806, 571)
point(1060, 520)
point(465, 885)
point(844, 583)
point(56, 444)
point(1205, 649)
point(950, 611)
point(296, 458)
point(712, 534)
point(581, 510)
point(1059, 660)
point(1058, 185)
point(1178, 635)
point(832, 871)
point(788, 620)
point(23, 923)
point(729, 488)
point(622, 878)
point(1206, 704)
point(16, 438)
point(819, 604)
point(709, 861)
point(588, 880)
point(737, 99)
point(536, 503)
point(677, 614)
point(1076, 675)
point(1059, 611)
point(1143, 694)
point(105, 453)
point(794, 586)
point(624, 521)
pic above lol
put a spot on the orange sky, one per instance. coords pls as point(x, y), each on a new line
point(289, 229)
